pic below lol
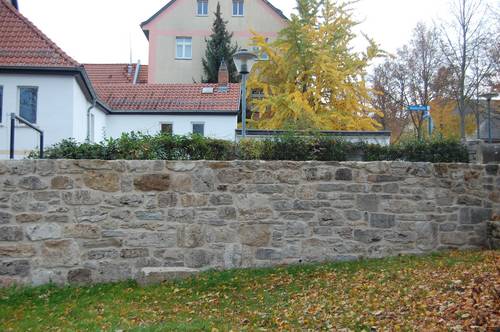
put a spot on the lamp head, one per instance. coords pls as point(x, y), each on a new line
point(244, 61)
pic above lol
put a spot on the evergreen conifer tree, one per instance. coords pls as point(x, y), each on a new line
point(219, 47)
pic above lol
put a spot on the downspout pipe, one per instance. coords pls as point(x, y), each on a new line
point(88, 120)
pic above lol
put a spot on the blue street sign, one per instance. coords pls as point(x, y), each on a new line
point(419, 108)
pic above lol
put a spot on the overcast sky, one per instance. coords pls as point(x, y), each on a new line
point(101, 31)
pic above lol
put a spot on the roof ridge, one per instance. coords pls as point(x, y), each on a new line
point(40, 34)
point(171, 2)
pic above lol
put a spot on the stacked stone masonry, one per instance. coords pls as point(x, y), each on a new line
point(67, 221)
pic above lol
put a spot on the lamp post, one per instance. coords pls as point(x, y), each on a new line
point(244, 61)
point(489, 96)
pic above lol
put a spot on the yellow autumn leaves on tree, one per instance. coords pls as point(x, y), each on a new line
point(313, 79)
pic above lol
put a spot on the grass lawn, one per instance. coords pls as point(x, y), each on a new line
point(451, 291)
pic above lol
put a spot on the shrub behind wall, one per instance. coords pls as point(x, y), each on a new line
point(136, 146)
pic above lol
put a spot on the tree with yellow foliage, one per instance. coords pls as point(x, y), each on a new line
point(313, 79)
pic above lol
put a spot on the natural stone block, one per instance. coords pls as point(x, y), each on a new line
point(11, 233)
point(384, 178)
point(181, 215)
point(191, 236)
point(300, 216)
point(32, 183)
point(128, 200)
point(98, 254)
point(158, 239)
point(5, 217)
point(379, 220)
point(81, 197)
point(81, 231)
point(20, 268)
point(194, 200)
point(102, 181)
point(368, 202)
point(221, 235)
point(368, 236)
point(226, 212)
point(255, 235)
point(80, 276)
point(150, 215)
point(331, 187)
point(454, 239)
point(343, 174)
point(401, 237)
point(181, 166)
point(166, 200)
point(152, 182)
point(182, 183)
point(295, 229)
point(124, 215)
point(158, 275)
point(353, 215)
point(44, 232)
point(112, 271)
point(59, 218)
point(203, 180)
point(267, 254)
point(427, 235)
point(61, 183)
point(197, 258)
point(479, 215)
point(134, 253)
point(330, 217)
point(17, 251)
point(61, 253)
point(45, 276)
point(105, 243)
point(221, 199)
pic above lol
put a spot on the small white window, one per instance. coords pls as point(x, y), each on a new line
point(28, 101)
point(202, 8)
point(199, 129)
point(238, 9)
point(184, 48)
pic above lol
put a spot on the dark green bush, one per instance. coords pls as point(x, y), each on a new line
point(285, 147)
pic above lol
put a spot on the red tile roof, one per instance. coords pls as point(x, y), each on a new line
point(169, 97)
point(23, 44)
point(115, 73)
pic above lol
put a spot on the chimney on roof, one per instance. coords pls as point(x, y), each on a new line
point(223, 78)
point(14, 3)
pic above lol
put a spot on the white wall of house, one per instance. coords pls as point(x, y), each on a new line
point(216, 126)
point(59, 102)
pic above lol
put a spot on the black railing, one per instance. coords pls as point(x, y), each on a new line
point(13, 118)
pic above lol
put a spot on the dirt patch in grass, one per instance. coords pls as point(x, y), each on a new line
point(456, 291)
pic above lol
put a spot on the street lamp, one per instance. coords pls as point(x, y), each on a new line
point(489, 96)
point(244, 61)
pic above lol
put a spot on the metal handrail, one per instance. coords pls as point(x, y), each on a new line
point(13, 118)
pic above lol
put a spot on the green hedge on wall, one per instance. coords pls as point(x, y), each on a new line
point(136, 146)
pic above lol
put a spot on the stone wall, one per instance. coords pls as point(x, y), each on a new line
point(96, 221)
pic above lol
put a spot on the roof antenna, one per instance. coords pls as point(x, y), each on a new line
point(14, 3)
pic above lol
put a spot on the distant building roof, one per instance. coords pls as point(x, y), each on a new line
point(170, 98)
point(22, 44)
point(115, 73)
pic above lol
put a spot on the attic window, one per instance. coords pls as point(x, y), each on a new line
point(238, 8)
point(207, 90)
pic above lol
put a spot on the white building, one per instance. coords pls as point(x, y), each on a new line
point(42, 84)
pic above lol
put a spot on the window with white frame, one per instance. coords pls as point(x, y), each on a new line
point(202, 8)
point(28, 100)
point(184, 48)
point(261, 54)
point(1, 103)
point(199, 128)
point(238, 8)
